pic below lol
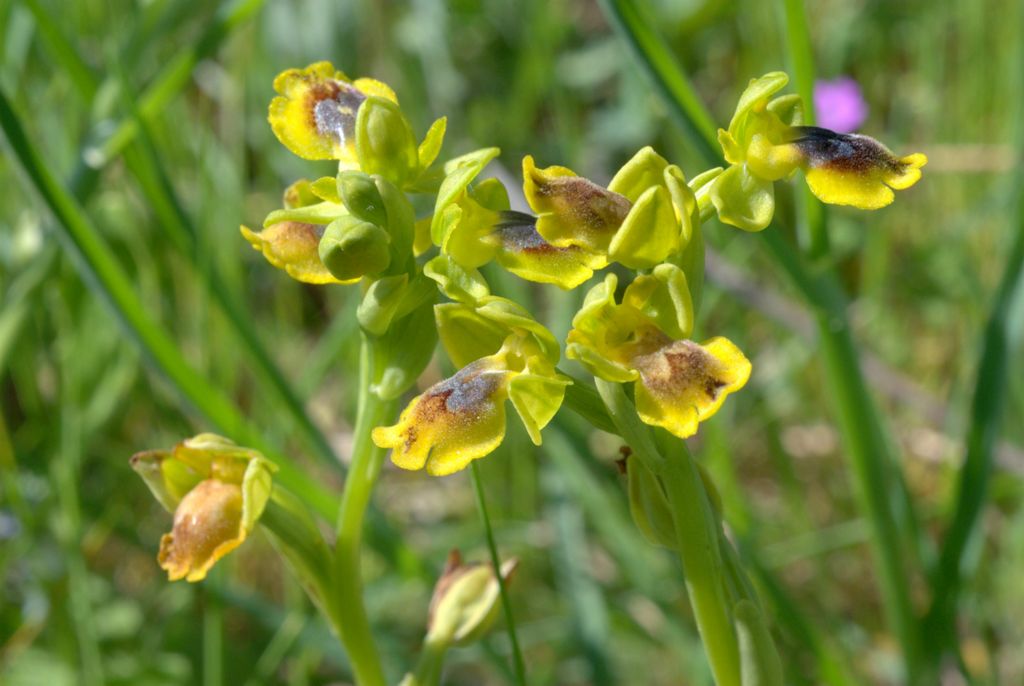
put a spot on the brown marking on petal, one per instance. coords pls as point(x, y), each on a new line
point(587, 203)
point(467, 392)
point(845, 152)
point(680, 365)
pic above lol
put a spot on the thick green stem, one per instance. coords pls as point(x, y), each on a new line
point(696, 531)
point(348, 610)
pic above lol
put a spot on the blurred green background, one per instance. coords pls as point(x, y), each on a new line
point(152, 115)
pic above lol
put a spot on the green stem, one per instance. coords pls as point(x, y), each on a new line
point(349, 611)
point(429, 667)
point(506, 604)
point(696, 531)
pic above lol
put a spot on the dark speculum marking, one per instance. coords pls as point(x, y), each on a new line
point(844, 151)
point(335, 106)
point(518, 233)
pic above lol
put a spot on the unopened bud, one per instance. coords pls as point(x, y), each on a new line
point(351, 248)
point(465, 601)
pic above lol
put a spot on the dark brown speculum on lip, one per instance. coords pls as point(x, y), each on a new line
point(844, 151)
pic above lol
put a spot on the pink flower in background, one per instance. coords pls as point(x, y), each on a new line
point(839, 105)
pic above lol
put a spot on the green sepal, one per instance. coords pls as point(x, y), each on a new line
point(431, 145)
point(743, 200)
point(256, 486)
point(405, 351)
point(759, 660)
point(459, 173)
point(649, 233)
point(326, 188)
point(704, 178)
point(385, 143)
point(471, 331)
point(360, 195)
point(537, 398)
point(319, 213)
point(455, 281)
point(789, 109)
point(757, 91)
point(400, 224)
point(649, 506)
point(481, 158)
point(491, 194)
point(351, 248)
point(591, 323)
point(664, 297)
point(645, 169)
point(684, 200)
point(691, 261)
point(149, 466)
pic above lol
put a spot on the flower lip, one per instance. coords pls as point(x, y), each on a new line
point(848, 152)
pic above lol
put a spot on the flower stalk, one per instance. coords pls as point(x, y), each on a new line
point(348, 608)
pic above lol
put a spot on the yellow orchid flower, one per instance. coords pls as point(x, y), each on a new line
point(645, 339)
point(315, 114)
point(462, 418)
point(217, 491)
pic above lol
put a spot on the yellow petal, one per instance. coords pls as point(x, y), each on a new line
point(850, 169)
point(573, 211)
point(452, 423)
point(684, 383)
point(293, 247)
point(314, 116)
point(207, 526)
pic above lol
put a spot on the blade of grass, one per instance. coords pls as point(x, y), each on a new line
point(659, 64)
point(811, 226)
point(104, 275)
point(159, 93)
point(506, 604)
point(988, 404)
point(155, 184)
point(866, 447)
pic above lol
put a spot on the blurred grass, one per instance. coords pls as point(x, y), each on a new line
point(152, 116)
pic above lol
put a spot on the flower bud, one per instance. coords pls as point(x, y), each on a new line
point(361, 197)
point(351, 248)
point(385, 144)
point(465, 601)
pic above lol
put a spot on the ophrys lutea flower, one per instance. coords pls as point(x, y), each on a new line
point(765, 142)
point(644, 339)
point(462, 418)
point(217, 491)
